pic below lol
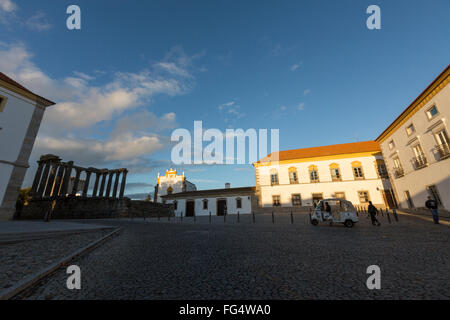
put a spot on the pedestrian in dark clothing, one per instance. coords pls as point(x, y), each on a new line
point(328, 210)
point(432, 205)
point(373, 214)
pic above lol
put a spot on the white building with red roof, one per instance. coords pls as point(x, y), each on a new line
point(298, 179)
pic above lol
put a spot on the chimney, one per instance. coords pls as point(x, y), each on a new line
point(227, 185)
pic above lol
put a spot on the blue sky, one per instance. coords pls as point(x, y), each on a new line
point(137, 70)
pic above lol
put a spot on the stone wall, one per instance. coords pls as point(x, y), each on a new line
point(91, 208)
point(149, 209)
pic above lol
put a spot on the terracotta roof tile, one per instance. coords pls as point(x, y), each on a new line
point(346, 148)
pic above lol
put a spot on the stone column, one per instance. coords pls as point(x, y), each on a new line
point(97, 177)
point(102, 185)
point(86, 183)
point(116, 184)
point(65, 182)
point(124, 181)
point(44, 179)
point(37, 179)
point(51, 179)
point(58, 181)
point(76, 181)
point(108, 188)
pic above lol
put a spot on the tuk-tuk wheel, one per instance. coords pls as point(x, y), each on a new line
point(348, 223)
point(314, 222)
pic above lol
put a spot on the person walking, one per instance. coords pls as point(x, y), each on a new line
point(432, 205)
point(373, 214)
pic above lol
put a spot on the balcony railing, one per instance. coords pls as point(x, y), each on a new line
point(419, 162)
point(443, 150)
point(398, 172)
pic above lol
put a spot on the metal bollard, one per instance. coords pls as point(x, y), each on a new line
point(168, 218)
point(394, 212)
point(210, 217)
point(159, 216)
point(292, 218)
point(238, 217)
point(195, 217)
point(143, 214)
point(224, 218)
point(181, 216)
point(273, 218)
point(253, 216)
point(388, 216)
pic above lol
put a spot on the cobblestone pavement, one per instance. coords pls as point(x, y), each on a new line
point(162, 260)
point(19, 260)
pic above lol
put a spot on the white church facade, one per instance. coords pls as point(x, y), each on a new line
point(171, 182)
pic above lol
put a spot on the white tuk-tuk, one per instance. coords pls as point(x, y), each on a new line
point(342, 211)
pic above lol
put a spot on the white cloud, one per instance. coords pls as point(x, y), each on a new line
point(172, 68)
point(225, 105)
point(231, 110)
point(38, 22)
point(81, 104)
point(301, 106)
point(306, 92)
point(85, 108)
point(7, 5)
point(296, 66)
point(118, 148)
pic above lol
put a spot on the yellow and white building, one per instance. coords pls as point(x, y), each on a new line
point(416, 147)
point(171, 182)
point(302, 177)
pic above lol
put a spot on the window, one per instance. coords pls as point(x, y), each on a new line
point(2, 103)
point(313, 173)
point(296, 199)
point(391, 145)
point(363, 196)
point(335, 172)
point(339, 195)
point(205, 204)
point(276, 201)
point(410, 129)
point(381, 169)
point(293, 178)
point(175, 205)
point(433, 192)
point(419, 159)
point(238, 203)
point(398, 169)
point(443, 146)
point(409, 201)
point(442, 137)
point(357, 170)
point(169, 190)
point(316, 197)
point(273, 177)
point(432, 112)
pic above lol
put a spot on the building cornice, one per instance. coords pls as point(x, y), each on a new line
point(322, 158)
point(432, 90)
point(27, 94)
